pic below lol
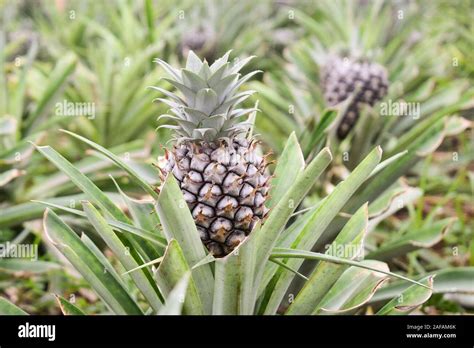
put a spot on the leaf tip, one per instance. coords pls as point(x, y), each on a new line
point(379, 150)
point(327, 151)
point(34, 144)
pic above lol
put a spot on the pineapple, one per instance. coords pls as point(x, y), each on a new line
point(341, 77)
point(220, 172)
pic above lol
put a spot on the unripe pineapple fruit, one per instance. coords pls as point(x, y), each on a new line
point(342, 77)
point(219, 171)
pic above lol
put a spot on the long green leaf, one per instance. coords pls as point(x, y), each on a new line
point(351, 241)
point(141, 279)
point(25, 265)
point(290, 164)
point(413, 240)
point(64, 68)
point(171, 270)
point(84, 183)
point(116, 225)
point(450, 280)
point(94, 249)
point(19, 213)
point(226, 286)
point(317, 135)
point(267, 236)
point(310, 255)
point(320, 219)
point(409, 299)
point(383, 179)
point(95, 195)
point(175, 300)
point(142, 211)
point(234, 280)
point(178, 224)
point(353, 289)
point(8, 308)
point(119, 162)
point(144, 215)
point(67, 308)
point(71, 246)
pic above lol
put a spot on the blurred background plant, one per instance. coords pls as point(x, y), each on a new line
point(98, 56)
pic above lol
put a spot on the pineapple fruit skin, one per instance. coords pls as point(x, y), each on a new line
point(225, 187)
point(342, 77)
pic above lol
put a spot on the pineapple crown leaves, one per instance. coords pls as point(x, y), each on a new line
point(207, 109)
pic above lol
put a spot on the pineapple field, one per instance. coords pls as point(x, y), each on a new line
point(220, 157)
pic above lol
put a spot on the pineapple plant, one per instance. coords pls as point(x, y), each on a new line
point(362, 80)
point(296, 99)
point(219, 170)
point(295, 96)
point(159, 258)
